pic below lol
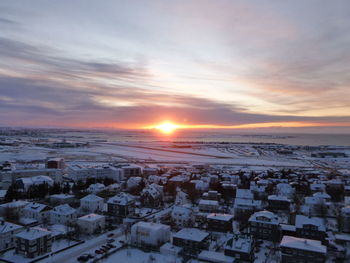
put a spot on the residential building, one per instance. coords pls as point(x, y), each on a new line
point(241, 247)
point(33, 242)
point(265, 225)
point(147, 234)
point(63, 214)
point(191, 239)
point(92, 203)
point(121, 205)
point(37, 211)
point(7, 234)
point(219, 222)
point(310, 227)
point(302, 250)
point(91, 223)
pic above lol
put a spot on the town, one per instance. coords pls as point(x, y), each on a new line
point(291, 205)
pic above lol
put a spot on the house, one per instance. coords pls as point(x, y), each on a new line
point(219, 222)
point(265, 225)
point(60, 199)
point(246, 206)
point(37, 211)
point(191, 239)
point(316, 206)
point(63, 214)
point(7, 234)
point(310, 227)
point(278, 203)
point(208, 206)
point(244, 194)
point(152, 196)
point(91, 203)
point(215, 257)
point(212, 195)
point(55, 163)
point(241, 247)
point(121, 205)
point(147, 234)
point(91, 223)
point(13, 208)
point(317, 187)
point(296, 249)
point(181, 216)
point(33, 242)
point(286, 190)
point(96, 188)
point(25, 182)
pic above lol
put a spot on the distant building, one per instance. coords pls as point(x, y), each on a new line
point(208, 206)
point(96, 188)
point(278, 203)
point(147, 234)
point(63, 214)
point(181, 216)
point(59, 199)
point(92, 203)
point(265, 225)
point(220, 222)
point(310, 227)
point(37, 211)
point(152, 196)
point(91, 223)
point(121, 205)
point(296, 249)
point(241, 247)
point(192, 240)
point(7, 234)
point(55, 163)
point(25, 182)
point(33, 242)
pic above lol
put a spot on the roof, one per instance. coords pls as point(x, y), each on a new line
point(121, 199)
point(91, 217)
point(244, 194)
point(239, 243)
point(272, 218)
point(7, 227)
point(278, 198)
point(303, 244)
point(91, 198)
point(301, 220)
point(208, 202)
point(62, 196)
point(192, 234)
point(64, 209)
point(221, 217)
point(33, 233)
point(36, 207)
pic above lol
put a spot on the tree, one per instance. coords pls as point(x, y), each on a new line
point(66, 188)
point(12, 193)
point(55, 189)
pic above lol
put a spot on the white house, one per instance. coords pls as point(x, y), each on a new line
point(63, 214)
point(96, 188)
point(91, 223)
point(7, 232)
point(25, 182)
point(181, 216)
point(149, 234)
point(37, 211)
point(91, 203)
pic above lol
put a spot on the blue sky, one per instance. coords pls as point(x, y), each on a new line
point(133, 63)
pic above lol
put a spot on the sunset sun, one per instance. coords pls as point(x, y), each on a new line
point(166, 127)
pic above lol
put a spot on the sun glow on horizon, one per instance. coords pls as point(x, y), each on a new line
point(167, 127)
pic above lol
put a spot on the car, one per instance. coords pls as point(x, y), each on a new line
point(121, 241)
point(105, 247)
point(111, 240)
point(112, 246)
point(110, 235)
point(83, 258)
point(103, 250)
point(97, 251)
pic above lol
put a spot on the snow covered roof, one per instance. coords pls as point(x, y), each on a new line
point(91, 198)
point(221, 217)
point(346, 210)
point(244, 194)
point(36, 207)
point(7, 227)
point(91, 217)
point(62, 196)
point(121, 199)
point(64, 209)
point(192, 234)
point(265, 217)
point(239, 202)
point(321, 195)
point(303, 244)
point(242, 243)
point(208, 202)
point(301, 220)
point(33, 233)
point(15, 204)
point(286, 227)
point(278, 198)
point(149, 226)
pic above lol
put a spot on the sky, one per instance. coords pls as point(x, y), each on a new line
point(137, 63)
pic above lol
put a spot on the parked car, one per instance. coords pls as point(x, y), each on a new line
point(111, 246)
point(110, 235)
point(97, 251)
point(111, 240)
point(82, 258)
